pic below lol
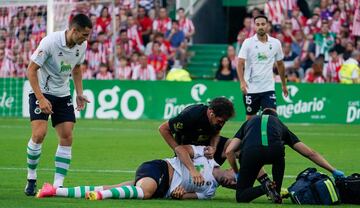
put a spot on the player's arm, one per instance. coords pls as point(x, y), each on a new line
point(80, 98)
point(230, 153)
point(279, 56)
point(209, 151)
point(185, 153)
point(240, 71)
point(293, 141)
point(166, 133)
point(190, 196)
point(180, 193)
point(281, 70)
point(244, 50)
point(314, 156)
point(44, 104)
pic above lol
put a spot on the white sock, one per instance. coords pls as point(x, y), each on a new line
point(77, 192)
point(62, 164)
point(33, 157)
point(123, 192)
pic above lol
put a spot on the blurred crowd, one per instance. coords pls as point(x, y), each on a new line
point(320, 45)
point(138, 40)
point(130, 39)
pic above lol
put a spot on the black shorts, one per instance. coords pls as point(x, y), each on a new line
point(253, 101)
point(62, 107)
point(157, 170)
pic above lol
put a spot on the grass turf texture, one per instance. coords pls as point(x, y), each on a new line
point(108, 152)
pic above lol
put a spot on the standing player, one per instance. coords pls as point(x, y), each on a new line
point(58, 57)
point(255, 69)
point(198, 125)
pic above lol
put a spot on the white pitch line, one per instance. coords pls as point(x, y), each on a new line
point(155, 130)
point(71, 170)
point(90, 171)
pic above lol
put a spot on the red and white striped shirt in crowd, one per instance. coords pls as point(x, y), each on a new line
point(127, 4)
point(4, 21)
point(312, 28)
point(248, 32)
point(104, 76)
point(162, 25)
point(133, 64)
point(356, 23)
point(159, 62)
point(128, 47)
point(94, 59)
point(20, 69)
point(88, 74)
point(288, 5)
point(186, 25)
point(277, 10)
point(123, 73)
point(140, 73)
point(106, 48)
point(26, 56)
point(7, 68)
point(332, 69)
point(134, 34)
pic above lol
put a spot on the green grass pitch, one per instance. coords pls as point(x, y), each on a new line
point(108, 152)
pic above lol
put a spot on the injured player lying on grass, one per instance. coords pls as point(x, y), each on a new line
point(190, 175)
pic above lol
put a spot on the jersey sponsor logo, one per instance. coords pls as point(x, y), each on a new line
point(353, 111)
point(64, 67)
point(199, 168)
point(261, 56)
point(178, 126)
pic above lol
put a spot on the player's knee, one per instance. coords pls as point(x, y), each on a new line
point(148, 194)
point(38, 136)
point(67, 137)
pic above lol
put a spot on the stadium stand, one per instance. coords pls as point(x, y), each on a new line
point(318, 36)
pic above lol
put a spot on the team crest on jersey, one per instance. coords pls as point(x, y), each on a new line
point(178, 125)
point(60, 54)
point(64, 67)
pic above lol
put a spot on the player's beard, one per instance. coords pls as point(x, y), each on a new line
point(260, 32)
